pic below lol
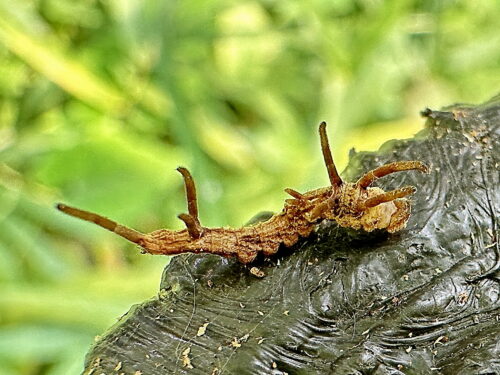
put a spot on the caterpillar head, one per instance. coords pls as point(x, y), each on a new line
point(360, 206)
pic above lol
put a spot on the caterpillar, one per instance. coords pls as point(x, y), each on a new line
point(355, 205)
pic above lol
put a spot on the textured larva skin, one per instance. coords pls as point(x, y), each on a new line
point(352, 205)
point(298, 219)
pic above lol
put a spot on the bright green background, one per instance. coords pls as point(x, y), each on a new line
point(101, 100)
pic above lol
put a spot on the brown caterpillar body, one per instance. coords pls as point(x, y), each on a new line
point(354, 205)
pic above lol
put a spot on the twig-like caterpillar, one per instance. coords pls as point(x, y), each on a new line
point(355, 205)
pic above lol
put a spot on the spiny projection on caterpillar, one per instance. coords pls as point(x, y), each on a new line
point(354, 205)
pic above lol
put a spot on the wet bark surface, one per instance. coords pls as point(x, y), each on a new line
point(425, 300)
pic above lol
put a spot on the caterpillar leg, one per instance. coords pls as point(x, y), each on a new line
point(270, 249)
point(191, 220)
point(247, 256)
point(335, 179)
point(386, 169)
point(400, 217)
point(388, 196)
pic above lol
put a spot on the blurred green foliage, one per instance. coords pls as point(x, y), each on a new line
point(101, 99)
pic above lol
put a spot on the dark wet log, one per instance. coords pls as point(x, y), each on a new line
point(422, 301)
